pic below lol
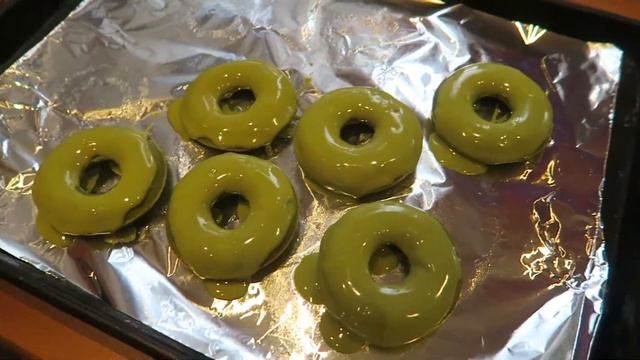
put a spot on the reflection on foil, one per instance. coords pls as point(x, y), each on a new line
point(528, 32)
point(134, 111)
point(549, 257)
point(592, 233)
point(559, 313)
point(21, 183)
point(547, 178)
point(529, 235)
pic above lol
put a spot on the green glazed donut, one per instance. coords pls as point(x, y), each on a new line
point(358, 170)
point(213, 252)
point(64, 207)
point(199, 116)
point(365, 311)
point(477, 140)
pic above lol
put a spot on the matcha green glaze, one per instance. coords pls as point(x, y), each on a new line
point(173, 114)
point(226, 290)
point(70, 210)
point(383, 261)
point(452, 159)
point(216, 253)
point(199, 116)
point(516, 139)
point(128, 234)
point(154, 192)
point(305, 278)
point(51, 235)
point(357, 170)
point(385, 315)
point(338, 336)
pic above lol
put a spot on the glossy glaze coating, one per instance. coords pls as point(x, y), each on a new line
point(157, 185)
point(232, 254)
point(383, 261)
point(51, 235)
point(227, 289)
point(516, 139)
point(450, 158)
point(305, 278)
point(124, 235)
point(66, 208)
point(385, 315)
point(338, 336)
point(357, 170)
point(199, 116)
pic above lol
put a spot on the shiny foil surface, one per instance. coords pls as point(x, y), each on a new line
point(528, 235)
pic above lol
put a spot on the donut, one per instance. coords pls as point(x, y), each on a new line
point(232, 255)
point(199, 115)
point(65, 207)
point(466, 142)
point(359, 309)
point(389, 156)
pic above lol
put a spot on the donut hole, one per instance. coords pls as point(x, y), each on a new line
point(356, 132)
point(230, 210)
point(493, 108)
point(100, 176)
point(236, 100)
point(389, 265)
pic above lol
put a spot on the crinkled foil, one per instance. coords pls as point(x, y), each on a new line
point(529, 235)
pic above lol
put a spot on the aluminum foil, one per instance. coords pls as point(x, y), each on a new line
point(529, 235)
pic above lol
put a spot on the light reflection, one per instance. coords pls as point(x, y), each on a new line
point(525, 174)
point(254, 298)
point(529, 33)
point(549, 256)
point(130, 110)
point(21, 183)
point(355, 291)
point(548, 177)
point(444, 283)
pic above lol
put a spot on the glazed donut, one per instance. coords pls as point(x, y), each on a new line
point(65, 207)
point(213, 252)
point(199, 115)
point(357, 170)
point(384, 315)
point(468, 135)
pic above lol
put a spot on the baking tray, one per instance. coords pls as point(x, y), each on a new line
point(24, 22)
point(619, 329)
